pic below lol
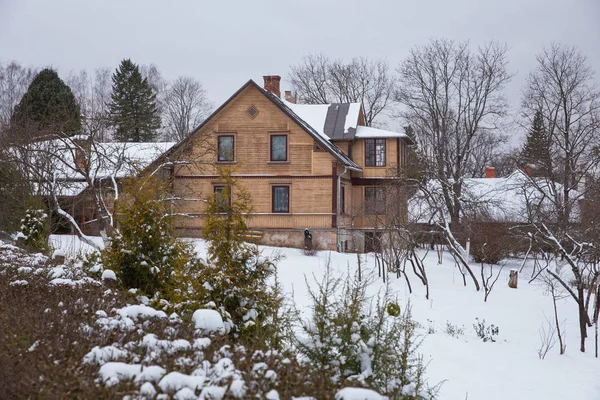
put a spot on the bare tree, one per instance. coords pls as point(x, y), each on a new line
point(64, 170)
point(557, 293)
point(318, 79)
point(93, 95)
point(185, 106)
point(489, 278)
point(562, 88)
point(14, 81)
point(453, 100)
point(548, 339)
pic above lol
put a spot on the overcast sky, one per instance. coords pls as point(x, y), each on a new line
point(225, 43)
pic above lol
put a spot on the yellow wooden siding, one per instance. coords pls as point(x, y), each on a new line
point(307, 172)
point(391, 159)
point(252, 143)
point(309, 200)
point(257, 221)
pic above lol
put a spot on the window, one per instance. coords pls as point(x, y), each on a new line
point(252, 112)
point(375, 152)
point(279, 148)
point(225, 148)
point(343, 200)
point(281, 199)
point(374, 200)
point(223, 197)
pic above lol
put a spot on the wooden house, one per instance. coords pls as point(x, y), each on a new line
point(313, 167)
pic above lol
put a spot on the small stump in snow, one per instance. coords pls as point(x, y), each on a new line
point(513, 279)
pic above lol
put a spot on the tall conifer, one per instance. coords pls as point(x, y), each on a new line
point(133, 105)
point(48, 107)
point(536, 151)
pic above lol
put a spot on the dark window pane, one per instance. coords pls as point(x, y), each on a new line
point(225, 148)
point(281, 199)
point(374, 200)
point(375, 152)
point(222, 197)
point(370, 152)
point(380, 153)
point(279, 148)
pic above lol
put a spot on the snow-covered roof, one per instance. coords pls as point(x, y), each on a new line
point(367, 132)
point(313, 114)
point(58, 158)
point(323, 140)
point(511, 199)
point(335, 121)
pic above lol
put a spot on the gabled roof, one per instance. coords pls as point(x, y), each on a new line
point(319, 137)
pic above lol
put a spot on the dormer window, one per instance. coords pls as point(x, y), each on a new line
point(375, 152)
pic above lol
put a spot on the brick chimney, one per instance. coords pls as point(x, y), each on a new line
point(272, 84)
point(289, 97)
point(490, 172)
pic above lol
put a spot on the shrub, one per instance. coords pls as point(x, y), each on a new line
point(234, 279)
point(143, 252)
point(35, 228)
point(347, 341)
point(454, 330)
point(490, 241)
point(487, 333)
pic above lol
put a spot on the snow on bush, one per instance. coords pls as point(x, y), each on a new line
point(208, 321)
point(113, 372)
point(101, 355)
point(351, 393)
point(140, 311)
point(109, 274)
point(174, 381)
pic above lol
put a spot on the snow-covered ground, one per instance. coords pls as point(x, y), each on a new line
point(471, 369)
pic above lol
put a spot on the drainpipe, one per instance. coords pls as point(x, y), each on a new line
point(339, 207)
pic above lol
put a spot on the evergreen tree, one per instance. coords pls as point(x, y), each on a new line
point(143, 252)
point(133, 105)
point(536, 151)
point(48, 106)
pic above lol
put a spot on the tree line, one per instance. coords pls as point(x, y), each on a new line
point(132, 104)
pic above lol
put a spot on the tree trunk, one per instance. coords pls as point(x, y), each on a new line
point(583, 316)
point(513, 279)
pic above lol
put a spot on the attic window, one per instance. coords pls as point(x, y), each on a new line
point(317, 147)
point(252, 112)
